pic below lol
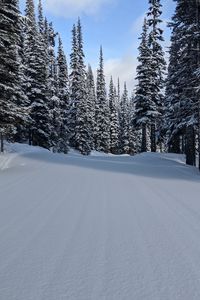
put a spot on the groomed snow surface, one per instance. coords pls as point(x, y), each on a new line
point(99, 227)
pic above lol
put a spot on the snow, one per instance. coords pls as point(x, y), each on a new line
point(98, 227)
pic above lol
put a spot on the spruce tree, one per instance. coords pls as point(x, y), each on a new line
point(82, 129)
point(172, 102)
point(74, 79)
point(63, 95)
point(21, 132)
point(41, 22)
point(145, 107)
point(91, 98)
point(182, 83)
point(124, 123)
point(102, 111)
point(114, 120)
point(53, 99)
point(157, 68)
point(80, 137)
point(9, 66)
point(36, 89)
point(133, 131)
point(118, 94)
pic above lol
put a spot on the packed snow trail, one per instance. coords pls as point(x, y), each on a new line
point(98, 227)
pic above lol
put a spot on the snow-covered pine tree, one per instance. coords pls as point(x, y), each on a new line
point(74, 79)
point(53, 99)
point(114, 119)
point(124, 123)
point(91, 97)
point(189, 40)
point(118, 93)
point(172, 117)
point(39, 133)
point(102, 111)
point(197, 74)
point(82, 129)
point(182, 79)
point(133, 132)
point(9, 66)
point(41, 21)
point(63, 95)
point(158, 66)
point(21, 131)
point(145, 107)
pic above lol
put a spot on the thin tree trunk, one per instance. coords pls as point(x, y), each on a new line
point(2, 142)
point(190, 146)
point(153, 137)
point(144, 138)
point(30, 137)
point(175, 145)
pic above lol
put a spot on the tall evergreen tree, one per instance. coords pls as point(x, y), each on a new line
point(182, 83)
point(134, 141)
point(63, 94)
point(118, 92)
point(40, 18)
point(114, 120)
point(172, 101)
point(80, 137)
point(145, 107)
point(91, 98)
point(53, 99)
point(39, 133)
point(22, 101)
point(9, 67)
point(74, 79)
point(157, 67)
point(82, 128)
point(124, 123)
point(102, 110)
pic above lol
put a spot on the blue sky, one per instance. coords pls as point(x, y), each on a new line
point(114, 24)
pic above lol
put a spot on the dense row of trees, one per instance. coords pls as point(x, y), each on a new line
point(44, 104)
point(47, 104)
point(183, 82)
point(170, 109)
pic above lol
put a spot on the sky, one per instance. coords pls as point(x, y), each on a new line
point(114, 24)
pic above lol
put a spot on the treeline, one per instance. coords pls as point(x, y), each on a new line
point(47, 103)
point(169, 108)
point(44, 104)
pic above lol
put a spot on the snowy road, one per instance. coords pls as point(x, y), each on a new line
point(98, 228)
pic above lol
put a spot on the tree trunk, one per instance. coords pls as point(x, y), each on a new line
point(144, 138)
point(175, 145)
point(2, 142)
point(153, 137)
point(190, 146)
point(30, 137)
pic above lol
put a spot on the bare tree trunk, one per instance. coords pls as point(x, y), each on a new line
point(190, 146)
point(153, 137)
point(2, 142)
point(175, 145)
point(144, 138)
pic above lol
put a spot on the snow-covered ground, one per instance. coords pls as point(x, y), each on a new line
point(98, 227)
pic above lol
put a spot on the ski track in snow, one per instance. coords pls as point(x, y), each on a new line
point(99, 227)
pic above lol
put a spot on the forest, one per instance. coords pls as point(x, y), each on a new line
point(49, 102)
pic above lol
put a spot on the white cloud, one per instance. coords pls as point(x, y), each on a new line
point(124, 68)
point(137, 24)
point(68, 8)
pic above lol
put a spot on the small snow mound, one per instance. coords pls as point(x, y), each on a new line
point(13, 150)
point(101, 154)
point(5, 161)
